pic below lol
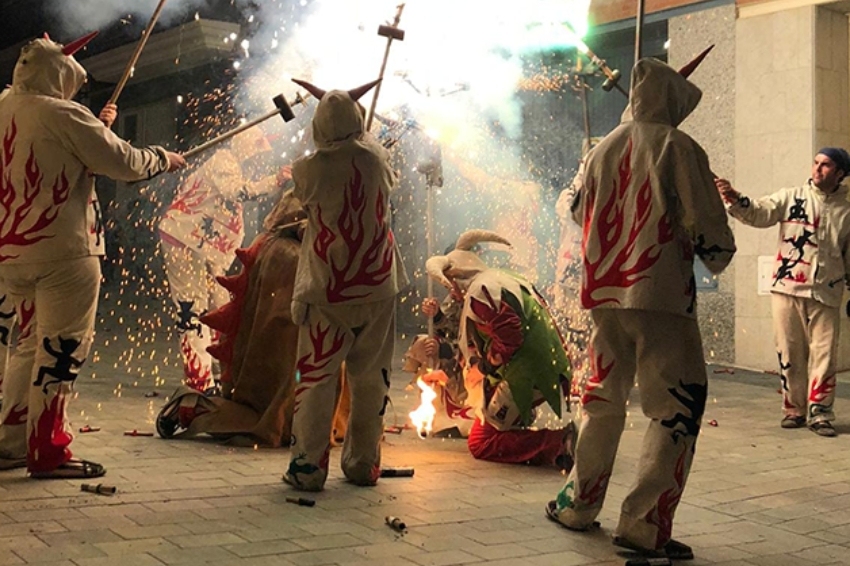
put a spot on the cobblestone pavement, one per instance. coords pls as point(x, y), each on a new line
point(757, 495)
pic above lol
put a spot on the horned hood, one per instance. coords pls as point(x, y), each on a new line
point(338, 118)
point(43, 68)
point(660, 94)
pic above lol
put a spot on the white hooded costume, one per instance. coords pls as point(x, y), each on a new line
point(50, 242)
point(200, 232)
point(349, 273)
point(647, 205)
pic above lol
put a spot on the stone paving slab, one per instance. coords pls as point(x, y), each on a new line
point(758, 495)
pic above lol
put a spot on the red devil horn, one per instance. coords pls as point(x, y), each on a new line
point(46, 36)
point(691, 67)
point(356, 93)
point(311, 88)
point(78, 44)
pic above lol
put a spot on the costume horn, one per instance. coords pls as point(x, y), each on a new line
point(46, 36)
point(356, 93)
point(78, 44)
point(311, 88)
point(471, 237)
point(435, 268)
point(692, 66)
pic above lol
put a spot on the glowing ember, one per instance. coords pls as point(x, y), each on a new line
point(423, 416)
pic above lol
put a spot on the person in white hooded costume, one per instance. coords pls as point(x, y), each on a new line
point(647, 205)
point(349, 273)
point(50, 247)
point(199, 234)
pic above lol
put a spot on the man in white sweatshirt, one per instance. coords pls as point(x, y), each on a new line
point(810, 272)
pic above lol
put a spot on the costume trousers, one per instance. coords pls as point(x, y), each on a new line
point(56, 303)
point(537, 447)
point(7, 325)
point(194, 291)
point(807, 345)
point(664, 352)
point(363, 337)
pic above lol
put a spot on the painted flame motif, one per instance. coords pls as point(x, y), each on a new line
point(19, 225)
point(311, 367)
point(662, 514)
point(599, 373)
point(196, 375)
point(423, 416)
point(620, 264)
point(821, 391)
point(367, 267)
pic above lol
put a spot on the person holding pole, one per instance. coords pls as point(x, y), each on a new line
point(50, 243)
point(199, 234)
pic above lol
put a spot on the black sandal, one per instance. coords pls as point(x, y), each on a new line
point(674, 550)
point(72, 470)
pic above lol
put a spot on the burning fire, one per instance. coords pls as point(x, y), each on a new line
point(423, 416)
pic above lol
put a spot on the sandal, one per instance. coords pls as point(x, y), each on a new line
point(823, 428)
point(72, 469)
point(674, 550)
point(552, 515)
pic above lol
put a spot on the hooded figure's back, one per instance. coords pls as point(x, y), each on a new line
point(649, 204)
point(349, 253)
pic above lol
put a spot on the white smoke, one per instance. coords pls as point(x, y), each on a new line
point(76, 17)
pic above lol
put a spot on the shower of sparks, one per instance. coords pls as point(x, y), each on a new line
point(452, 81)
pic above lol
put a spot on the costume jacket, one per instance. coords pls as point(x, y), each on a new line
point(814, 239)
point(648, 190)
point(349, 254)
point(48, 206)
point(206, 214)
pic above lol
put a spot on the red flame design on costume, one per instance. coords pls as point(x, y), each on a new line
point(196, 375)
point(17, 227)
point(662, 514)
point(324, 239)
point(627, 266)
point(500, 323)
point(25, 318)
point(600, 373)
point(369, 268)
point(455, 411)
point(49, 440)
point(16, 417)
point(189, 198)
point(320, 358)
point(590, 494)
point(822, 390)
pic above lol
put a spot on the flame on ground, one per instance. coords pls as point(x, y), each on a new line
point(423, 416)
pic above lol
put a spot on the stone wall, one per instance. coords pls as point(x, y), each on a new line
point(713, 126)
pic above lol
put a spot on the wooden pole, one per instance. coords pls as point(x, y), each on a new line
point(383, 68)
point(135, 58)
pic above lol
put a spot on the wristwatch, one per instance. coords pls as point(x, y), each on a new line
point(743, 201)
